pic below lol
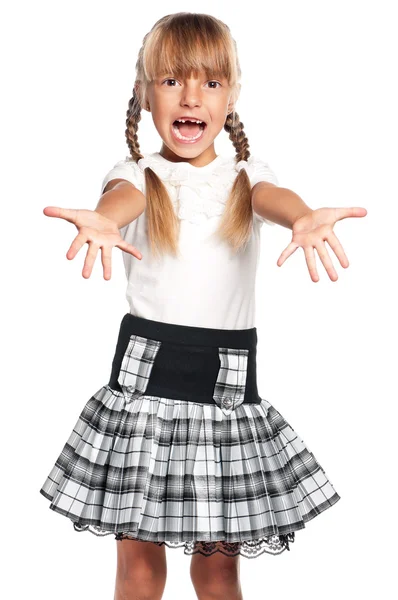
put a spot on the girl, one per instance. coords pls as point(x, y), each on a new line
point(178, 448)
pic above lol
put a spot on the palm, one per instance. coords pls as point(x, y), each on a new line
point(98, 232)
point(312, 230)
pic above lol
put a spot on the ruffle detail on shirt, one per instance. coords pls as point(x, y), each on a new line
point(196, 196)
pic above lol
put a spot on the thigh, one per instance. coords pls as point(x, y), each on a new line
point(139, 558)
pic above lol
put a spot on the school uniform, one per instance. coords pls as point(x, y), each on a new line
point(179, 448)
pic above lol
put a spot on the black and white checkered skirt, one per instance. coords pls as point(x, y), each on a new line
point(179, 449)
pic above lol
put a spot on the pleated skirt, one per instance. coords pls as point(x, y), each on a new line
point(178, 448)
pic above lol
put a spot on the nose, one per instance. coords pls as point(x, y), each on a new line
point(190, 95)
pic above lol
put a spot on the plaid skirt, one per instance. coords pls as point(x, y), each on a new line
point(179, 449)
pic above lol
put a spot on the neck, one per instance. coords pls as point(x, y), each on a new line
point(198, 161)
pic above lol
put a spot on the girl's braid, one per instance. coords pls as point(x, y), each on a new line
point(234, 126)
point(132, 120)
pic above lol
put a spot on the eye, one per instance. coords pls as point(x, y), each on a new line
point(170, 79)
point(214, 88)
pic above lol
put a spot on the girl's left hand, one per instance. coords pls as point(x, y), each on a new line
point(312, 230)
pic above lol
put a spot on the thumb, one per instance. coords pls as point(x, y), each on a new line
point(353, 211)
point(69, 214)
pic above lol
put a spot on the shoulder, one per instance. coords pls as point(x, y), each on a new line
point(127, 169)
point(257, 169)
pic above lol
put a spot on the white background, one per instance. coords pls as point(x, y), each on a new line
point(319, 103)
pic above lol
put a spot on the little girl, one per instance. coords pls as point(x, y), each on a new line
point(179, 448)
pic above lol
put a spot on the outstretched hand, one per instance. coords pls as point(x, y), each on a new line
point(312, 230)
point(98, 232)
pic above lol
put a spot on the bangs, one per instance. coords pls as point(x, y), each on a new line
point(189, 44)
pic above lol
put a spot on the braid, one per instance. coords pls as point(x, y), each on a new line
point(161, 219)
point(236, 225)
point(234, 126)
point(132, 120)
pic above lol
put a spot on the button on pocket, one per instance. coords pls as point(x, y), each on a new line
point(229, 390)
point(137, 364)
point(227, 402)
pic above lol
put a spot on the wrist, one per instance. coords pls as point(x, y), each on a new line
point(306, 211)
point(110, 221)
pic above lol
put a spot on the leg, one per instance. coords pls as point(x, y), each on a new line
point(216, 577)
point(141, 570)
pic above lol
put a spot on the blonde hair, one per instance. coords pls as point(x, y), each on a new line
point(183, 43)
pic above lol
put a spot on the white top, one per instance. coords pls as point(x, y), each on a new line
point(207, 286)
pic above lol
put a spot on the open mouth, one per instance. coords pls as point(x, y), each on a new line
point(188, 130)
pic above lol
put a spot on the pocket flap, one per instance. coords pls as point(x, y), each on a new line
point(230, 387)
point(137, 363)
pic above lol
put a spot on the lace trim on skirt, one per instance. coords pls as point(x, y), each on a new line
point(273, 544)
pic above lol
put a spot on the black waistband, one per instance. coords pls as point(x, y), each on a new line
point(190, 335)
point(187, 363)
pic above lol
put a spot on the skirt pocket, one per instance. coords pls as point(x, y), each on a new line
point(136, 366)
point(230, 386)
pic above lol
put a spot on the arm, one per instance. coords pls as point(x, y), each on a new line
point(277, 204)
point(121, 202)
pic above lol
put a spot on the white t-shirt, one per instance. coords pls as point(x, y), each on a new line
point(208, 285)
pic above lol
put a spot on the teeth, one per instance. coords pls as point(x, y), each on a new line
point(190, 120)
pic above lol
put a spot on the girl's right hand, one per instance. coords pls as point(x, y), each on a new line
point(95, 230)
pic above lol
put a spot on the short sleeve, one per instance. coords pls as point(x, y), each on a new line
point(259, 170)
point(124, 169)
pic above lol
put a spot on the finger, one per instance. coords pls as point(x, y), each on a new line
point(326, 260)
point(90, 259)
point(129, 249)
point(334, 243)
point(353, 211)
point(69, 214)
point(288, 251)
point(106, 258)
point(75, 246)
point(311, 264)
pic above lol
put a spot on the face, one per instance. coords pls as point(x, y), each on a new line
point(208, 100)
